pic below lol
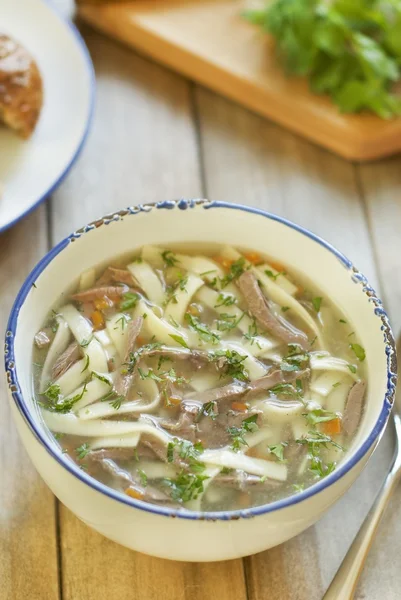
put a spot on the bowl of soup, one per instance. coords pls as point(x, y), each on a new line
point(198, 380)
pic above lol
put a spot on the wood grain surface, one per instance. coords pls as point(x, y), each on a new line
point(156, 136)
point(210, 42)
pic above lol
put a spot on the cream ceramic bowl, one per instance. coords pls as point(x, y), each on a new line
point(185, 535)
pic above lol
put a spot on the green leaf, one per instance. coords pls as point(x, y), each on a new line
point(129, 301)
point(319, 415)
point(317, 302)
point(358, 351)
point(179, 339)
point(278, 451)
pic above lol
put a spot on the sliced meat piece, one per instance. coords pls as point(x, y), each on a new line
point(151, 448)
point(43, 338)
point(353, 408)
point(113, 275)
point(243, 481)
point(267, 382)
point(124, 478)
point(214, 432)
point(100, 292)
point(197, 358)
point(259, 308)
point(185, 427)
point(221, 393)
point(66, 360)
point(125, 379)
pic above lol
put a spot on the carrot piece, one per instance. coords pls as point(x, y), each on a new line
point(134, 493)
point(332, 427)
point(253, 257)
point(240, 406)
point(277, 266)
point(172, 401)
point(103, 303)
point(224, 262)
point(140, 340)
point(97, 320)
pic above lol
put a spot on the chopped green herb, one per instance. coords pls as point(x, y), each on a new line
point(249, 425)
point(314, 442)
point(202, 330)
point(317, 302)
point(169, 258)
point(278, 450)
point(186, 486)
point(82, 451)
point(352, 368)
point(85, 343)
point(358, 351)
point(252, 332)
point(225, 300)
point(207, 272)
point(228, 322)
point(236, 269)
point(319, 415)
point(336, 384)
point(179, 339)
point(101, 377)
point(134, 357)
point(149, 375)
point(285, 308)
point(123, 322)
point(313, 341)
point(163, 359)
point(186, 451)
point(233, 363)
point(352, 333)
point(342, 321)
point(86, 363)
point(130, 300)
point(295, 360)
point(116, 404)
point(173, 322)
point(207, 410)
point(34, 285)
point(143, 477)
point(56, 401)
point(274, 275)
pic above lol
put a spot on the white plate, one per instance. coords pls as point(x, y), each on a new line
point(31, 169)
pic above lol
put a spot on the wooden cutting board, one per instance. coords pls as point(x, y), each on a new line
point(209, 42)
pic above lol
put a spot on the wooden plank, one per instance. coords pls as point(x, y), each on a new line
point(380, 186)
point(239, 62)
point(142, 148)
point(250, 161)
point(28, 545)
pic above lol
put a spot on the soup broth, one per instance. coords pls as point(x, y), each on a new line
point(204, 378)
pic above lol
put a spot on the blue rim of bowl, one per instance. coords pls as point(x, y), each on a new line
point(92, 85)
point(183, 204)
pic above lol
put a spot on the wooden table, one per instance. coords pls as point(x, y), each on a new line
point(155, 135)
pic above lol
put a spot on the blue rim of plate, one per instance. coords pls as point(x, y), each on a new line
point(92, 85)
point(184, 204)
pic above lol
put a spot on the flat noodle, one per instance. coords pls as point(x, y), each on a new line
point(94, 390)
point(177, 307)
point(153, 256)
point(102, 410)
point(72, 378)
point(201, 266)
point(59, 344)
point(80, 327)
point(254, 367)
point(323, 384)
point(159, 328)
point(255, 466)
point(280, 279)
point(325, 362)
point(148, 281)
point(116, 327)
point(122, 441)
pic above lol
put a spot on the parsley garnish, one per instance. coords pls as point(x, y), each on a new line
point(278, 451)
point(169, 258)
point(149, 375)
point(186, 486)
point(317, 302)
point(143, 477)
point(295, 360)
point(102, 378)
point(252, 332)
point(315, 441)
point(274, 275)
point(249, 425)
point(358, 351)
point(179, 339)
point(352, 368)
point(82, 451)
point(285, 308)
point(319, 415)
point(225, 300)
point(207, 410)
point(228, 322)
point(348, 50)
point(116, 404)
point(342, 321)
point(236, 269)
point(134, 357)
point(59, 404)
point(187, 451)
point(86, 363)
point(85, 343)
point(123, 320)
point(130, 300)
point(232, 363)
point(202, 330)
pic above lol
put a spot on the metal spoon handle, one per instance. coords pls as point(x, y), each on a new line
point(345, 580)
